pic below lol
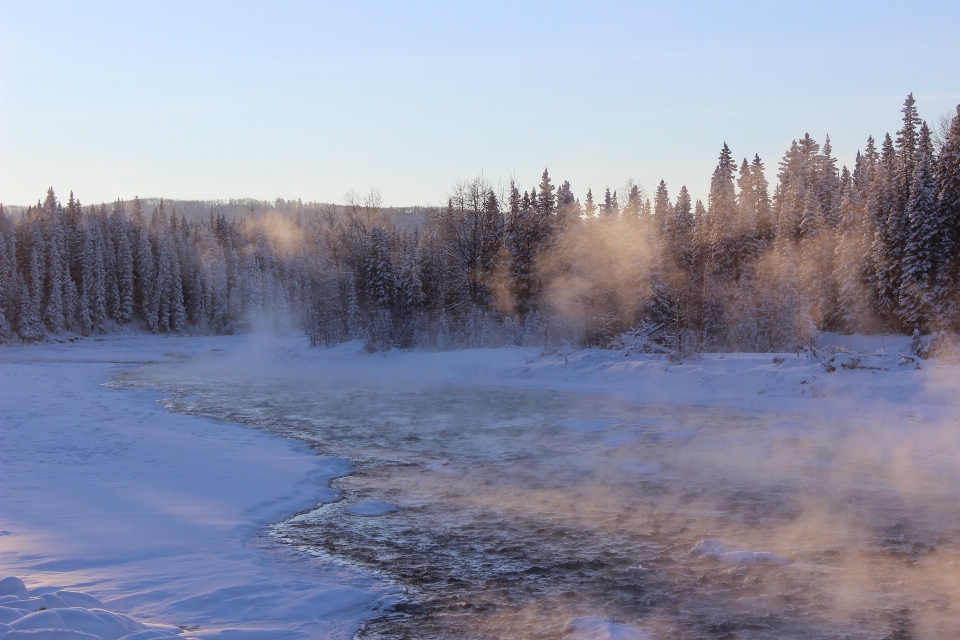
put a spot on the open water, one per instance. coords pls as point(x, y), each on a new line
point(508, 513)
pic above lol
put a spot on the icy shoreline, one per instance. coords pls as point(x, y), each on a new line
point(161, 515)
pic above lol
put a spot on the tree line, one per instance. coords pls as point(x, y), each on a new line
point(875, 248)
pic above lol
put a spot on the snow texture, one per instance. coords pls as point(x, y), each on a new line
point(595, 628)
point(69, 615)
point(109, 501)
point(716, 550)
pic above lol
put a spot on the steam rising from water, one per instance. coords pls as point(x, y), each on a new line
point(520, 510)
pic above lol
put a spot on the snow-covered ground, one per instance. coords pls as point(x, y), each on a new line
point(159, 514)
point(156, 514)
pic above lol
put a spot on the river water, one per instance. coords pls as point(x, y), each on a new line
point(508, 513)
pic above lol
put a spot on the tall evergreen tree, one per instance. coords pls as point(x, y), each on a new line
point(848, 270)
point(917, 299)
point(662, 209)
point(907, 141)
point(54, 315)
point(948, 214)
point(761, 205)
point(589, 208)
point(546, 200)
point(723, 220)
point(828, 185)
point(888, 235)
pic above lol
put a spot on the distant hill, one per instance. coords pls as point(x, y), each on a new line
point(404, 218)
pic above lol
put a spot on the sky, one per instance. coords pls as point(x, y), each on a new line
point(311, 99)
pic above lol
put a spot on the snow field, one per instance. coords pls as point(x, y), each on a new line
point(158, 515)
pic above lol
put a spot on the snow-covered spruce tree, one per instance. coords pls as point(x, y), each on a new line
point(252, 290)
point(797, 176)
point(125, 273)
point(73, 246)
point(815, 265)
point(762, 206)
point(947, 283)
point(852, 301)
point(218, 310)
point(887, 232)
point(99, 286)
point(865, 185)
point(521, 243)
point(744, 332)
point(723, 237)
point(546, 199)
point(178, 312)
point(792, 325)
point(568, 209)
point(681, 256)
point(895, 175)
point(145, 273)
point(607, 209)
point(827, 185)
point(380, 289)
point(31, 294)
point(662, 209)
point(93, 312)
point(53, 315)
point(9, 287)
point(631, 210)
point(410, 296)
point(589, 207)
point(917, 295)
point(103, 243)
point(565, 227)
point(659, 308)
point(906, 157)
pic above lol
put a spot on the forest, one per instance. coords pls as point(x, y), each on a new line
point(868, 250)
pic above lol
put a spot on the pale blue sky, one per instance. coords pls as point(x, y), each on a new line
point(210, 99)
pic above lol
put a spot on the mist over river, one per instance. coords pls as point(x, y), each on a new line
point(513, 512)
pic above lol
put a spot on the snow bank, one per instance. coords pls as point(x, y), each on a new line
point(595, 628)
point(68, 615)
point(57, 616)
point(157, 515)
point(716, 550)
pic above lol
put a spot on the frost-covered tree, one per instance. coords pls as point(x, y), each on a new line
point(723, 220)
point(947, 290)
point(875, 248)
point(852, 296)
point(917, 290)
point(54, 313)
point(589, 207)
point(827, 185)
point(889, 232)
point(380, 278)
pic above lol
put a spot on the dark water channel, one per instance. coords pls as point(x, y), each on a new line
point(518, 510)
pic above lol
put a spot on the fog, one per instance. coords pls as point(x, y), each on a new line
point(520, 509)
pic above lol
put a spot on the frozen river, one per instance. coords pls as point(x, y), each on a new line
point(510, 512)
